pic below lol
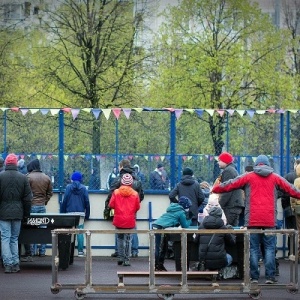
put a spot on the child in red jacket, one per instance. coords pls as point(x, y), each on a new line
point(126, 202)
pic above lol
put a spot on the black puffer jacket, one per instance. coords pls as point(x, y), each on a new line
point(188, 187)
point(15, 194)
point(215, 257)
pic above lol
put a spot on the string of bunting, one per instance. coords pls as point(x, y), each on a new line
point(116, 112)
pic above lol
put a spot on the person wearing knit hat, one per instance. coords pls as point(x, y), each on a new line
point(212, 247)
point(127, 179)
point(76, 200)
point(231, 203)
point(11, 159)
point(262, 160)
point(260, 188)
point(226, 158)
point(15, 203)
point(76, 176)
point(187, 171)
point(125, 202)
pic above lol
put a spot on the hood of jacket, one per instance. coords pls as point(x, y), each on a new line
point(174, 207)
point(187, 180)
point(77, 187)
point(34, 165)
point(212, 222)
point(263, 170)
point(126, 190)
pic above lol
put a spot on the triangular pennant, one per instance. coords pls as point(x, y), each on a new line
point(54, 111)
point(230, 111)
point(34, 110)
point(24, 111)
point(210, 112)
point(250, 112)
point(75, 112)
point(178, 113)
point(66, 157)
point(66, 109)
point(15, 109)
point(87, 109)
point(106, 112)
point(98, 157)
point(127, 112)
point(190, 110)
point(199, 112)
point(117, 112)
point(96, 112)
point(162, 158)
point(189, 157)
point(4, 108)
point(220, 112)
point(293, 110)
point(38, 156)
point(271, 110)
point(146, 157)
point(44, 111)
point(139, 109)
point(240, 112)
point(260, 111)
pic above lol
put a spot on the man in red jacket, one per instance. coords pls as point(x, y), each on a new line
point(261, 189)
point(126, 202)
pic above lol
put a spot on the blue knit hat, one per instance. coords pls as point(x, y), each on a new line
point(76, 176)
point(185, 202)
point(262, 160)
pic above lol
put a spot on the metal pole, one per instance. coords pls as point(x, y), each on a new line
point(61, 155)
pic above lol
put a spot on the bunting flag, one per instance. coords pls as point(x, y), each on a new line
point(199, 112)
point(221, 112)
point(24, 111)
point(117, 112)
point(230, 111)
point(106, 112)
point(96, 112)
point(250, 113)
point(44, 111)
point(66, 109)
point(34, 110)
point(210, 112)
point(54, 111)
point(178, 113)
point(127, 112)
point(189, 110)
point(75, 112)
point(240, 112)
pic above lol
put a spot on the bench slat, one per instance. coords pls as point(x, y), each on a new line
point(172, 273)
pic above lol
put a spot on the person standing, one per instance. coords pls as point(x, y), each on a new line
point(15, 203)
point(76, 200)
point(190, 188)
point(157, 180)
point(231, 202)
point(261, 192)
point(22, 167)
point(126, 202)
point(111, 178)
point(125, 168)
point(42, 191)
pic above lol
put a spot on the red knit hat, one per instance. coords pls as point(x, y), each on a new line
point(11, 159)
point(226, 158)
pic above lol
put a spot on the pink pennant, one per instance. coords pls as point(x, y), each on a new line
point(117, 112)
point(66, 109)
point(271, 111)
point(220, 112)
point(15, 109)
point(184, 158)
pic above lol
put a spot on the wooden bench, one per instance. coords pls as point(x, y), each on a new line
point(122, 274)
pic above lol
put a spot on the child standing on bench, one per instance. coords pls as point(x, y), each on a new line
point(126, 202)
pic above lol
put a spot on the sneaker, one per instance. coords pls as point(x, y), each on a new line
point(160, 267)
point(7, 269)
point(115, 254)
point(81, 254)
point(120, 262)
point(271, 280)
point(254, 281)
point(15, 268)
point(126, 263)
point(26, 259)
point(134, 255)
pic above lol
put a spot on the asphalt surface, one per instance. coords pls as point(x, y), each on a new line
point(35, 279)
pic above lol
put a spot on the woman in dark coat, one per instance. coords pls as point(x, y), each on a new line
point(212, 246)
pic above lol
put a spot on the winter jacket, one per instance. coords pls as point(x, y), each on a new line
point(174, 216)
point(234, 198)
point(15, 196)
point(76, 199)
point(125, 202)
point(214, 255)
point(156, 180)
point(261, 192)
point(40, 184)
point(190, 188)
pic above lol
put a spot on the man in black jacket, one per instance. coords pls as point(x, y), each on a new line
point(15, 204)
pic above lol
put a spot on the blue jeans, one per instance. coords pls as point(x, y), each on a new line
point(135, 243)
point(269, 243)
point(38, 209)
point(124, 246)
point(10, 231)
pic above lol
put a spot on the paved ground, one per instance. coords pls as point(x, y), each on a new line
point(35, 279)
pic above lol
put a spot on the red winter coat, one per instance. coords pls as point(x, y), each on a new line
point(126, 202)
point(261, 189)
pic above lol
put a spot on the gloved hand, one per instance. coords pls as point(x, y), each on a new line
point(228, 226)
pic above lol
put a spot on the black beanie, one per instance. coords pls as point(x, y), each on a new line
point(187, 171)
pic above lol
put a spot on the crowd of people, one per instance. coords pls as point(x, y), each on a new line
point(234, 200)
